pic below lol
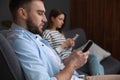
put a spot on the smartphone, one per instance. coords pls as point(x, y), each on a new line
point(87, 46)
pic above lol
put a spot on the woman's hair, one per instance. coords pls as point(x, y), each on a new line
point(14, 5)
point(55, 13)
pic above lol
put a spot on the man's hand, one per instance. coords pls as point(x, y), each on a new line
point(77, 59)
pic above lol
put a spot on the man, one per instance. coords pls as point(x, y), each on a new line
point(38, 60)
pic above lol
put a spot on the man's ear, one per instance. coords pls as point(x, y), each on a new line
point(22, 13)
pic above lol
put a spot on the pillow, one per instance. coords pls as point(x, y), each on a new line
point(98, 51)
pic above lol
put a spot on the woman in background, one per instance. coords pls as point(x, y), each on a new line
point(55, 36)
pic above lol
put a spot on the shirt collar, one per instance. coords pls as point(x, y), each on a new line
point(22, 29)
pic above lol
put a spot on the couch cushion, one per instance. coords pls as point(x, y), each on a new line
point(99, 52)
point(81, 40)
point(111, 65)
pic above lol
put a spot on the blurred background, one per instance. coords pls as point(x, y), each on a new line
point(100, 19)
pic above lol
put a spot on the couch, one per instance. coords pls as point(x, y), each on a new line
point(111, 65)
point(10, 68)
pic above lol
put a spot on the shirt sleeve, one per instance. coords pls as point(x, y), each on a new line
point(59, 49)
point(47, 36)
point(30, 59)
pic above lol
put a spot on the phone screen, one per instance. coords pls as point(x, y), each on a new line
point(87, 46)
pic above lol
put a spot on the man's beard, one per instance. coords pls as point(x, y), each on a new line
point(32, 27)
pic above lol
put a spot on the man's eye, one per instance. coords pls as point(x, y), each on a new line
point(40, 13)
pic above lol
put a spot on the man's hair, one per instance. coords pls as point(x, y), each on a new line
point(14, 5)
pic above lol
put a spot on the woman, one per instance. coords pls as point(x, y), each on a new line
point(55, 36)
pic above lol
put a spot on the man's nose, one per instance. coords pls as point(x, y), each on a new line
point(44, 19)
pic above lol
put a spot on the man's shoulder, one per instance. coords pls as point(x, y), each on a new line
point(14, 33)
point(17, 35)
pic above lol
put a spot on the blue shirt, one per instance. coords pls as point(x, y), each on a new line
point(38, 60)
point(33, 55)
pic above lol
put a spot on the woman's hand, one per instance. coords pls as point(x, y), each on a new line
point(69, 43)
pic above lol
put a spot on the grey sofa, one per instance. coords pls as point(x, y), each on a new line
point(10, 68)
point(110, 64)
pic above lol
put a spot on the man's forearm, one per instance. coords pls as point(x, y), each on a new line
point(65, 74)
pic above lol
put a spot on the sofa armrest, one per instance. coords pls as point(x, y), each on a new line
point(80, 40)
point(111, 65)
point(103, 77)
